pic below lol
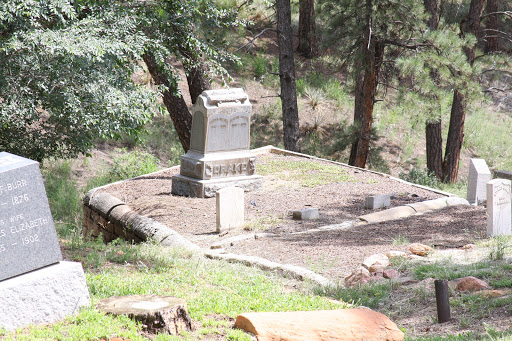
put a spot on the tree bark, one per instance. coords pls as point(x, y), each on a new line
point(458, 113)
point(433, 130)
point(366, 89)
point(432, 8)
point(476, 9)
point(195, 71)
point(197, 82)
point(434, 148)
point(287, 77)
point(491, 44)
point(308, 45)
point(455, 138)
point(175, 104)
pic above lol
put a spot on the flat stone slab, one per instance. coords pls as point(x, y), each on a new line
point(43, 296)
point(390, 214)
point(320, 325)
point(437, 204)
point(155, 312)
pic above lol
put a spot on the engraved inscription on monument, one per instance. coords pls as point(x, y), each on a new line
point(28, 239)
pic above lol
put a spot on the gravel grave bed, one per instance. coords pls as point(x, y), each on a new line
point(334, 253)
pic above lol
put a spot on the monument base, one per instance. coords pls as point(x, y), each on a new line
point(42, 296)
point(195, 188)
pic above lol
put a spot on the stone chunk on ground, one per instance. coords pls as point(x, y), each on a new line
point(306, 214)
point(344, 324)
point(156, 313)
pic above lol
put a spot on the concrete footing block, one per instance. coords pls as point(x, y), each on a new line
point(42, 296)
point(306, 214)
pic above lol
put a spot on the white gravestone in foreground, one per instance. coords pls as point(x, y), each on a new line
point(499, 199)
point(479, 175)
point(36, 286)
point(230, 208)
point(219, 154)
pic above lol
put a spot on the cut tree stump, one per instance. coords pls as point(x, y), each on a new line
point(156, 313)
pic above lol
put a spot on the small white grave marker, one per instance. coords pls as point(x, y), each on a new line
point(499, 219)
point(230, 208)
point(378, 201)
point(479, 175)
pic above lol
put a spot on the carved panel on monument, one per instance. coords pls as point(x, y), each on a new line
point(218, 134)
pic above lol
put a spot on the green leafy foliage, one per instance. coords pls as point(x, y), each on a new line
point(421, 177)
point(65, 80)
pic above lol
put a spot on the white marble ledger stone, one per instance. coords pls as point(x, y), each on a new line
point(230, 208)
point(479, 175)
point(499, 209)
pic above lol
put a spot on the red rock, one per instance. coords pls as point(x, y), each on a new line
point(358, 277)
point(376, 263)
point(393, 254)
point(116, 339)
point(390, 273)
point(471, 283)
point(468, 247)
point(420, 249)
point(320, 325)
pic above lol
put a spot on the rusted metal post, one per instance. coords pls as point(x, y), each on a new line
point(442, 300)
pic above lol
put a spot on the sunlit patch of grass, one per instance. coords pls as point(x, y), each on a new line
point(307, 172)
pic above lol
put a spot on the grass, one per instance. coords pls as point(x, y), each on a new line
point(216, 292)
point(307, 173)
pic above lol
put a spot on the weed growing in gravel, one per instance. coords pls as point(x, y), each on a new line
point(497, 247)
point(264, 223)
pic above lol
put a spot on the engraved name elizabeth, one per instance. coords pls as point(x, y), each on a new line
point(17, 228)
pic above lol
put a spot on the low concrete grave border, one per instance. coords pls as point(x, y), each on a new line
point(111, 218)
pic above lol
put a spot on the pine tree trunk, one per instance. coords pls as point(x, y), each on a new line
point(455, 138)
point(434, 148)
point(491, 44)
point(308, 45)
point(433, 130)
point(366, 89)
point(175, 104)
point(287, 77)
point(476, 9)
point(432, 9)
point(458, 113)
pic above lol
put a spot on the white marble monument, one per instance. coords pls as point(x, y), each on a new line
point(499, 219)
point(219, 154)
point(479, 175)
point(36, 286)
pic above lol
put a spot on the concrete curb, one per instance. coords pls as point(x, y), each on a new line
point(285, 270)
point(412, 209)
